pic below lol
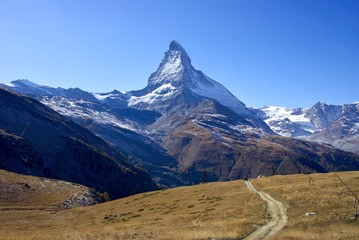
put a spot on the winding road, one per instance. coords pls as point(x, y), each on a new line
point(277, 216)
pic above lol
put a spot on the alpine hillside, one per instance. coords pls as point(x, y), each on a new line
point(38, 141)
point(184, 128)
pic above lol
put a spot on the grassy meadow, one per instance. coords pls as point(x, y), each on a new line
point(212, 210)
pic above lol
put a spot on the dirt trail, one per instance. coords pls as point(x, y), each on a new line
point(277, 216)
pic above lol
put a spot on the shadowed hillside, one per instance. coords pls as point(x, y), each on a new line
point(38, 141)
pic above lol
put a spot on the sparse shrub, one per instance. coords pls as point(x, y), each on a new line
point(105, 197)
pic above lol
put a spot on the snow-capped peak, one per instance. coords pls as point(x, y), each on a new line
point(173, 66)
point(177, 71)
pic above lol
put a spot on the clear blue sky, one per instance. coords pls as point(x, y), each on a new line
point(289, 53)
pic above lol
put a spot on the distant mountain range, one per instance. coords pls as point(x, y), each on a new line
point(184, 127)
point(337, 125)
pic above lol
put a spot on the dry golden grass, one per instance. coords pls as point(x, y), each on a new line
point(198, 212)
point(27, 192)
point(212, 210)
point(327, 197)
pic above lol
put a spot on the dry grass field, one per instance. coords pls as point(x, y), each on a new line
point(327, 197)
point(20, 192)
point(213, 210)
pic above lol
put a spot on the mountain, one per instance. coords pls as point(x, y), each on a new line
point(29, 88)
point(122, 128)
point(210, 132)
point(343, 131)
point(177, 86)
point(184, 128)
point(38, 141)
point(337, 125)
point(286, 122)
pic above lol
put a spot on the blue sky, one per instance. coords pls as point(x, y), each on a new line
point(280, 52)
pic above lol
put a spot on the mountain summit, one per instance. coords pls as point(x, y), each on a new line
point(175, 46)
point(174, 66)
point(176, 77)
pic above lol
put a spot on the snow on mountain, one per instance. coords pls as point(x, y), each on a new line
point(207, 87)
point(101, 96)
point(337, 125)
point(322, 115)
point(175, 76)
point(287, 122)
point(274, 113)
point(27, 87)
point(160, 94)
point(170, 70)
point(175, 64)
point(82, 109)
point(354, 129)
point(9, 84)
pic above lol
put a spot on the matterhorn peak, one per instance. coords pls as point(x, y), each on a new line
point(173, 67)
point(176, 49)
point(176, 74)
point(175, 46)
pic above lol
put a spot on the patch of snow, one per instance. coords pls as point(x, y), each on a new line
point(274, 113)
point(277, 118)
point(100, 96)
point(10, 84)
point(161, 93)
point(248, 129)
point(216, 115)
point(170, 68)
point(309, 130)
point(73, 109)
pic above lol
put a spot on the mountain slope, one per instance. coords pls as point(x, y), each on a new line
point(38, 141)
point(106, 116)
point(342, 131)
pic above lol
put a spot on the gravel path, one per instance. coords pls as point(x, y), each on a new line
point(277, 216)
